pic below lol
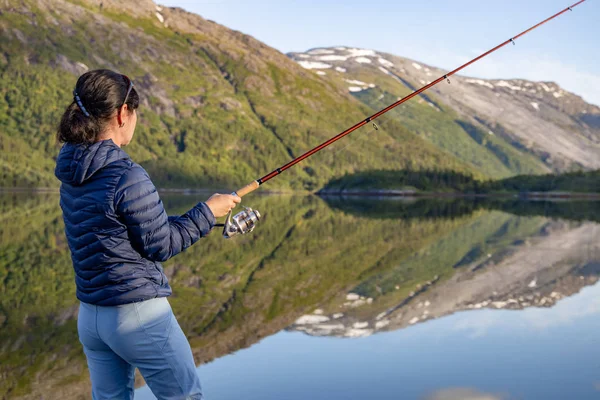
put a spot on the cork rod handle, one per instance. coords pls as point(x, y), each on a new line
point(251, 187)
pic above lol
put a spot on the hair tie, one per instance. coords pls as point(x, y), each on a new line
point(80, 104)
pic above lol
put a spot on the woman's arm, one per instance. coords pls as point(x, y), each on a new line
point(152, 233)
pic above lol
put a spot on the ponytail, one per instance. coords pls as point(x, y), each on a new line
point(76, 127)
point(97, 96)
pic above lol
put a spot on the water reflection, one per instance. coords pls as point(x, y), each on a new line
point(547, 353)
point(497, 260)
point(333, 267)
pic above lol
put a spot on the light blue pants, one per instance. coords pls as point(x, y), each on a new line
point(145, 335)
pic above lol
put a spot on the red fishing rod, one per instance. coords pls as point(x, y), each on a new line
point(245, 221)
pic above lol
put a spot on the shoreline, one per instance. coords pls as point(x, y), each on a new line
point(357, 193)
point(414, 194)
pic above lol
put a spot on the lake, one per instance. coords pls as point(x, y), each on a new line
point(338, 298)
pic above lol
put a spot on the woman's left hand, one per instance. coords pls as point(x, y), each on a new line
point(221, 204)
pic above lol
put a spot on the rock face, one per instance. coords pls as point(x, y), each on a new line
point(537, 118)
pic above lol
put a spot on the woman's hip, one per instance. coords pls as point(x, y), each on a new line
point(146, 335)
point(128, 322)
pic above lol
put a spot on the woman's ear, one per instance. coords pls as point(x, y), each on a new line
point(122, 111)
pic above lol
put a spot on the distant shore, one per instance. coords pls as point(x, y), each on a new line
point(410, 193)
point(357, 193)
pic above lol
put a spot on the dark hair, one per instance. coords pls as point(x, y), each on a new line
point(97, 95)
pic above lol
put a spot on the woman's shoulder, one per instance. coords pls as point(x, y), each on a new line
point(133, 173)
point(133, 182)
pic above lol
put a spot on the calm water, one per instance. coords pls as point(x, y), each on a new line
point(339, 299)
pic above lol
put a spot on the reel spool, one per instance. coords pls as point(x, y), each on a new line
point(241, 223)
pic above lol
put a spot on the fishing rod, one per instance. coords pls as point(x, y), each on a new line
point(245, 221)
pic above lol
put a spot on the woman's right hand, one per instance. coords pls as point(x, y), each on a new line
point(221, 204)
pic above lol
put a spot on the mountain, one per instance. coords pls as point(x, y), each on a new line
point(501, 127)
point(218, 108)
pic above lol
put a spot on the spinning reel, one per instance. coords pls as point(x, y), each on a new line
point(244, 221)
point(241, 223)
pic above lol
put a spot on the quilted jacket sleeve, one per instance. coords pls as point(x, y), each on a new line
point(153, 234)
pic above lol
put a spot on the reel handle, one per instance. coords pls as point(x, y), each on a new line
point(251, 187)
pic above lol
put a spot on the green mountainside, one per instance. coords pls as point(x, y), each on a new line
point(218, 108)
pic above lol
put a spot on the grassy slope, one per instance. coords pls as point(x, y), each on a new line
point(490, 154)
point(219, 108)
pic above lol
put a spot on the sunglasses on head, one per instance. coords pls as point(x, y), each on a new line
point(130, 86)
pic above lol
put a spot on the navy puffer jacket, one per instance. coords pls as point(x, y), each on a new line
point(116, 226)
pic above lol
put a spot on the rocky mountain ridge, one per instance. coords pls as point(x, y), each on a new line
point(541, 119)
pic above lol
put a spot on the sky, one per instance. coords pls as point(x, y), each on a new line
point(444, 34)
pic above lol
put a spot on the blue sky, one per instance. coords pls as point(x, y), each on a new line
point(439, 33)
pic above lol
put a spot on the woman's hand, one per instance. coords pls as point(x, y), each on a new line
point(221, 204)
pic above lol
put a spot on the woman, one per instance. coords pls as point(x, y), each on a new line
point(118, 233)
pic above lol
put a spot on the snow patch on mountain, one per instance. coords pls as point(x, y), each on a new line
point(480, 82)
point(361, 52)
point(508, 85)
point(332, 57)
point(321, 51)
point(382, 324)
point(354, 333)
point(311, 319)
point(355, 82)
point(363, 60)
point(314, 65)
point(417, 66)
point(385, 63)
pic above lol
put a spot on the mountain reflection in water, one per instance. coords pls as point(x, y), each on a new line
point(535, 353)
point(326, 267)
